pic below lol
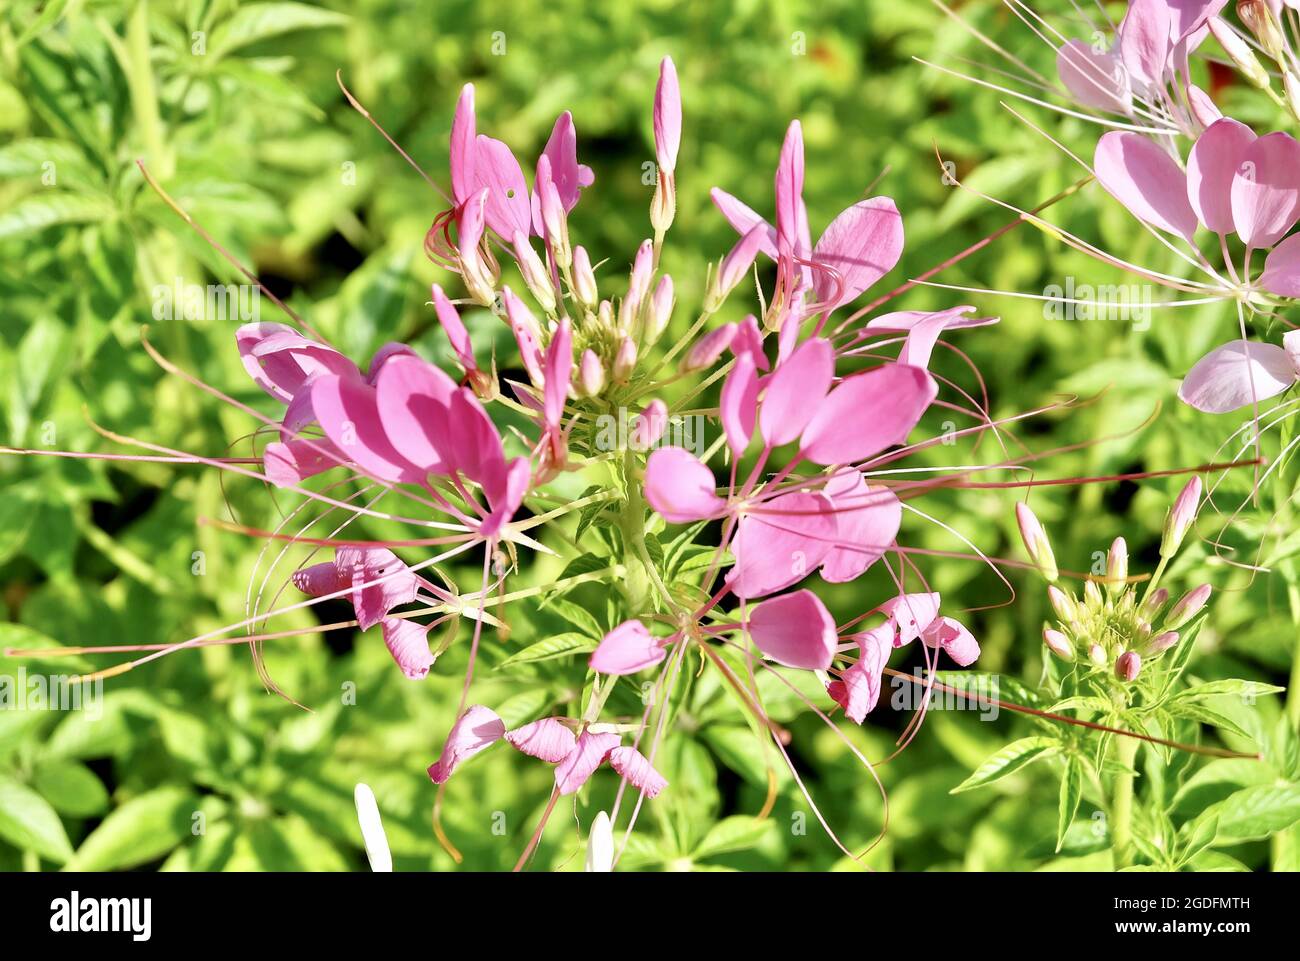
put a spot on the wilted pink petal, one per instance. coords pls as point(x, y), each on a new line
point(1236, 375)
point(380, 582)
point(743, 219)
point(867, 521)
point(860, 246)
point(1146, 180)
point(477, 728)
point(795, 390)
point(954, 639)
point(1211, 167)
point(589, 753)
point(454, 328)
point(739, 403)
point(680, 487)
point(911, 614)
point(867, 413)
point(667, 116)
point(1266, 190)
point(463, 136)
point(320, 579)
point(408, 642)
point(1282, 268)
point(549, 739)
point(795, 630)
point(632, 764)
point(627, 649)
point(413, 398)
point(1095, 79)
point(780, 542)
point(280, 360)
point(348, 411)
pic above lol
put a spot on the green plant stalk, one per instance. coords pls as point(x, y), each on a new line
point(637, 585)
point(144, 97)
point(1121, 805)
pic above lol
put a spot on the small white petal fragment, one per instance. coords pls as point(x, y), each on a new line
point(372, 829)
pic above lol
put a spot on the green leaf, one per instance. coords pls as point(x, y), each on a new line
point(1196, 711)
point(1068, 804)
point(560, 645)
point(50, 14)
point(72, 788)
point(737, 833)
point(1007, 761)
point(259, 21)
point(48, 210)
point(141, 830)
point(28, 822)
point(578, 616)
point(1228, 686)
point(1256, 812)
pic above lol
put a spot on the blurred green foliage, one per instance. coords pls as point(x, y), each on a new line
point(234, 107)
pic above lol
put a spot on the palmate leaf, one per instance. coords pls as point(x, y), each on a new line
point(1007, 761)
point(30, 823)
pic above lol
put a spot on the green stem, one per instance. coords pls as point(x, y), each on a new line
point(636, 583)
point(1121, 807)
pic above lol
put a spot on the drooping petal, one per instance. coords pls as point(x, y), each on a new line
point(627, 649)
point(954, 639)
point(1211, 167)
point(867, 521)
point(867, 413)
point(795, 630)
point(1282, 268)
point(795, 390)
point(408, 642)
point(911, 614)
point(680, 487)
point(860, 246)
point(589, 753)
point(348, 411)
point(858, 689)
point(780, 542)
point(476, 729)
point(1146, 180)
point(667, 116)
point(633, 765)
point(1236, 375)
point(1266, 190)
point(1096, 80)
point(743, 219)
point(380, 582)
point(738, 403)
point(413, 398)
point(548, 739)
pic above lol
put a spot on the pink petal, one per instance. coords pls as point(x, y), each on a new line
point(780, 542)
point(861, 245)
point(591, 750)
point(867, 521)
point(923, 329)
point(548, 739)
point(1266, 190)
point(858, 689)
point(280, 360)
point(911, 614)
point(1236, 375)
point(867, 413)
point(954, 639)
point(650, 425)
point(413, 398)
point(743, 219)
point(408, 642)
point(505, 488)
point(738, 404)
point(789, 192)
point(562, 151)
point(1096, 80)
point(473, 440)
point(1211, 167)
point(380, 582)
point(288, 463)
point(1144, 40)
point(667, 116)
point(627, 649)
point(454, 328)
point(348, 410)
point(508, 207)
point(749, 340)
point(795, 630)
point(1282, 268)
point(320, 579)
point(525, 328)
point(633, 765)
point(794, 391)
point(477, 728)
point(383, 355)
point(463, 146)
point(559, 367)
point(1146, 180)
point(680, 487)
point(710, 347)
